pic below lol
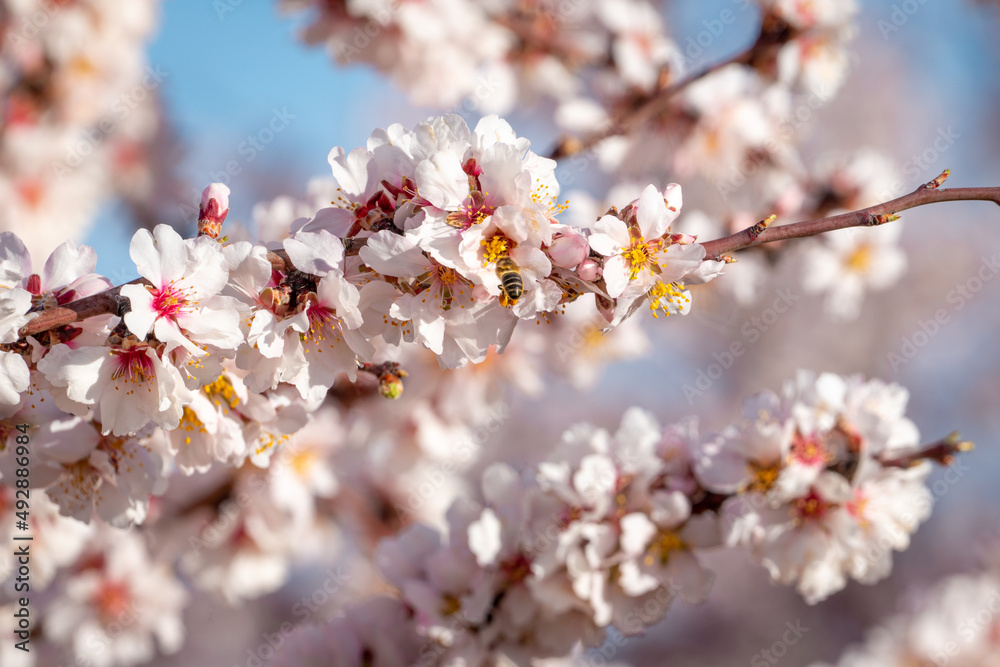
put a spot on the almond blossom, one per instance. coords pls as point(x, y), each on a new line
point(642, 256)
point(120, 609)
point(128, 384)
point(182, 307)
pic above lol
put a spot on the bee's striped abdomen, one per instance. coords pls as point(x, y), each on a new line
point(510, 279)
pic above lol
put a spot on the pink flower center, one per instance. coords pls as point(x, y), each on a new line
point(321, 321)
point(809, 449)
point(169, 301)
point(811, 507)
point(112, 600)
point(858, 505)
point(133, 365)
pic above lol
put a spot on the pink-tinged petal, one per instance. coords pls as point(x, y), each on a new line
point(76, 370)
point(504, 176)
point(485, 538)
point(14, 378)
point(719, 464)
point(609, 236)
point(207, 270)
point(491, 130)
point(317, 253)
point(441, 181)
point(637, 531)
point(393, 255)
point(542, 299)
point(697, 581)
point(675, 200)
point(141, 317)
point(616, 273)
point(85, 285)
point(263, 335)
point(670, 508)
point(652, 214)
point(161, 256)
point(220, 193)
point(337, 221)
point(355, 172)
point(214, 325)
point(532, 262)
point(335, 292)
point(171, 391)
point(67, 263)
point(168, 332)
point(360, 346)
point(15, 262)
point(123, 413)
point(680, 260)
point(510, 220)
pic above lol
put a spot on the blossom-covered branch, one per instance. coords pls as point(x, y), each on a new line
point(610, 529)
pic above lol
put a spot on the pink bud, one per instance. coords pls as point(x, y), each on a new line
point(588, 270)
point(683, 239)
point(568, 249)
point(214, 209)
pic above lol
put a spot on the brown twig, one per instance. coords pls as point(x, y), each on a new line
point(108, 302)
point(866, 217)
point(772, 36)
point(941, 452)
point(643, 110)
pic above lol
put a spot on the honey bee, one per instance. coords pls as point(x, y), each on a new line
point(510, 279)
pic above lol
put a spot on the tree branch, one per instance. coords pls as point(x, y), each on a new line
point(772, 36)
point(108, 302)
point(643, 110)
point(866, 217)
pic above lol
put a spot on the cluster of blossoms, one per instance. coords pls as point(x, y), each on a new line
point(497, 54)
point(820, 484)
point(731, 123)
point(457, 238)
point(450, 239)
point(79, 112)
point(957, 623)
point(222, 356)
point(609, 64)
point(588, 56)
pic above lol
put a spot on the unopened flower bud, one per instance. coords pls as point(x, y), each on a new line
point(213, 211)
point(568, 250)
point(390, 386)
point(588, 270)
